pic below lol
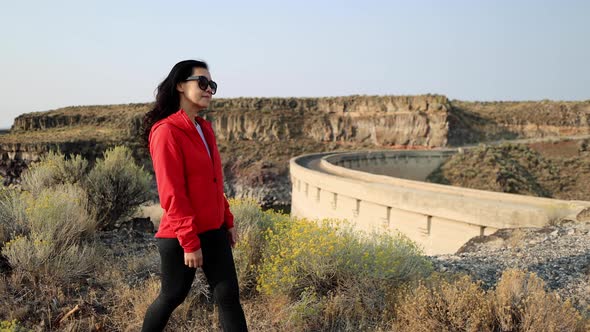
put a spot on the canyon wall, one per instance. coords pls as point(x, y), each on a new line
point(380, 120)
point(258, 136)
point(472, 122)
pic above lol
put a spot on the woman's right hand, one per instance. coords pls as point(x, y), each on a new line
point(193, 259)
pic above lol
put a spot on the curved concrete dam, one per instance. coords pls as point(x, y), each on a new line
point(385, 190)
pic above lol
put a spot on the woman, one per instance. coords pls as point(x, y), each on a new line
point(197, 227)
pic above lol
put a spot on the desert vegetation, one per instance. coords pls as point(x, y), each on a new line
point(550, 169)
point(65, 265)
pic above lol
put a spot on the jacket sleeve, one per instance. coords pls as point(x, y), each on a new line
point(228, 217)
point(170, 177)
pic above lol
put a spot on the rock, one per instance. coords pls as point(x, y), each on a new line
point(139, 224)
point(584, 215)
point(583, 145)
point(380, 120)
point(479, 242)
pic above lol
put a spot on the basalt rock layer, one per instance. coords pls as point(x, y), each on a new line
point(473, 122)
point(257, 136)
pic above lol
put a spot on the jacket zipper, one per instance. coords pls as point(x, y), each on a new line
point(214, 175)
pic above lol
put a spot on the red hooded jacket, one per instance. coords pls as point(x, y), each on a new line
point(190, 183)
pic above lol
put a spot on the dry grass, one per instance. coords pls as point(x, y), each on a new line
point(516, 239)
point(443, 305)
point(65, 134)
point(519, 303)
point(132, 303)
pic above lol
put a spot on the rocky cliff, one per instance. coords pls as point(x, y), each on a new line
point(473, 122)
point(257, 136)
point(379, 121)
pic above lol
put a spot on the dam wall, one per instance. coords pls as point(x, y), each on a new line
point(383, 190)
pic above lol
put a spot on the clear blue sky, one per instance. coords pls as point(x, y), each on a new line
point(61, 53)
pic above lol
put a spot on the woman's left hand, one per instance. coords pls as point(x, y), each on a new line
point(233, 236)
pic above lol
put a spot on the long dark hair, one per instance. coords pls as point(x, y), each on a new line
point(167, 97)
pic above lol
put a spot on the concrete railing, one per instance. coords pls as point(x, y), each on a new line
point(438, 217)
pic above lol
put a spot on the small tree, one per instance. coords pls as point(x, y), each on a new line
point(116, 186)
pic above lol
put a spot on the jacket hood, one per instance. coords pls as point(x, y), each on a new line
point(180, 120)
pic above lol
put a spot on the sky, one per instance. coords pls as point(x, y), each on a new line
point(63, 53)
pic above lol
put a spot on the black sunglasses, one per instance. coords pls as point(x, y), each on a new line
point(203, 83)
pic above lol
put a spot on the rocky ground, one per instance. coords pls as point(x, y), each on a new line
point(559, 254)
point(128, 245)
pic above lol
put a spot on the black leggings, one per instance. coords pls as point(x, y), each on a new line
point(177, 278)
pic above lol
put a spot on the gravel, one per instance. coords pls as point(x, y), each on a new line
point(558, 254)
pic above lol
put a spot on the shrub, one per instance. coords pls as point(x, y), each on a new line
point(251, 223)
point(303, 314)
point(443, 305)
point(53, 169)
point(116, 186)
point(37, 259)
point(12, 215)
point(52, 249)
point(12, 326)
point(354, 305)
point(521, 304)
point(60, 214)
point(303, 254)
point(337, 278)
